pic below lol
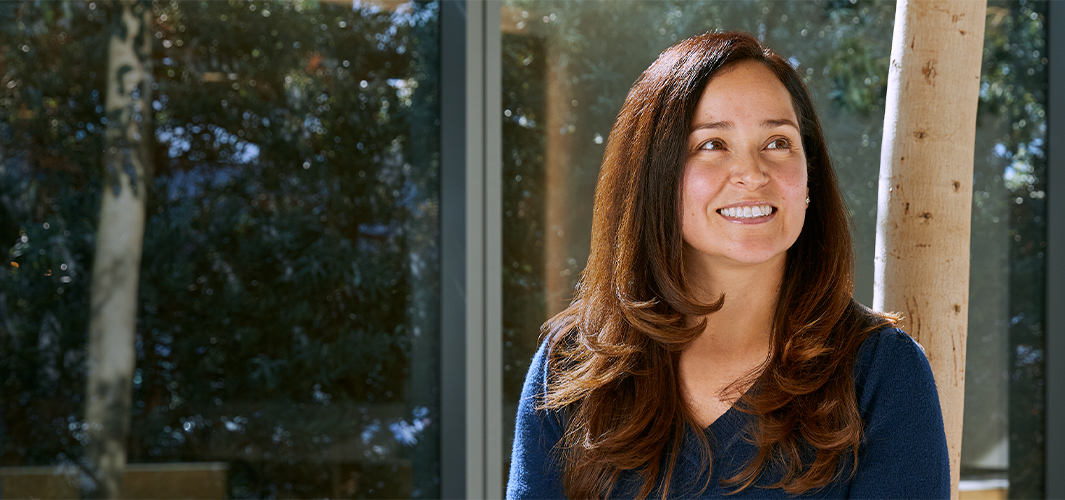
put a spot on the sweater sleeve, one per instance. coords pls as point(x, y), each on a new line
point(904, 451)
point(535, 471)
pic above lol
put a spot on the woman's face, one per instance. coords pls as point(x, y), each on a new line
point(744, 186)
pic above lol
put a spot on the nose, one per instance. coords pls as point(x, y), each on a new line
point(748, 171)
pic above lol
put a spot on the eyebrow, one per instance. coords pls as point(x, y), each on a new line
point(727, 125)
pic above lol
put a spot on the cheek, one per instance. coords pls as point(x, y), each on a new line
point(695, 187)
point(796, 188)
point(794, 181)
point(688, 191)
point(699, 187)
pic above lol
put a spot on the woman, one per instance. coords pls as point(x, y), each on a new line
point(714, 347)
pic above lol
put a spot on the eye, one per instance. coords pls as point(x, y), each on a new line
point(779, 143)
point(712, 144)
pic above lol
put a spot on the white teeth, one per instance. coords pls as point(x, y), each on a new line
point(747, 212)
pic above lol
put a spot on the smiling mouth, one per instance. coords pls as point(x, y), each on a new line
point(747, 212)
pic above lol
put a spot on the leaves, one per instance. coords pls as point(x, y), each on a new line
point(287, 202)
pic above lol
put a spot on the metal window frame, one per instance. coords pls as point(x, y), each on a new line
point(1055, 254)
point(471, 350)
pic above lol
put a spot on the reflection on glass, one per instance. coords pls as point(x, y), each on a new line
point(567, 66)
point(287, 326)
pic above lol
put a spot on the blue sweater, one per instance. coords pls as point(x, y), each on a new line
point(903, 454)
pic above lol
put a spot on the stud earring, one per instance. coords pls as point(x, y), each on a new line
point(807, 200)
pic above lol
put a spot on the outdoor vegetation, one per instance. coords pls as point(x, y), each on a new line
point(290, 215)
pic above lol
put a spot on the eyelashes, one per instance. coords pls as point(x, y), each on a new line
point(712, 145)
point(777, 144)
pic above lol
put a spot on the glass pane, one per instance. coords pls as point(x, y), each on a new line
point(287, 316)
point(568, 66)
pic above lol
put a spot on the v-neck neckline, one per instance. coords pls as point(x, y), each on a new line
point(727, 423)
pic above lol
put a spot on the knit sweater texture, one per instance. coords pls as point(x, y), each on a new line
point(903, 453)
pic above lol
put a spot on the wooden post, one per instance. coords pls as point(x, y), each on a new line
point(925, 195)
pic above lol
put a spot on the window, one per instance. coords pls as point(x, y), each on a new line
point(287, 314)
point(361, 212)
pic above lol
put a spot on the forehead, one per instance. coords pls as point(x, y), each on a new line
point(745, 90)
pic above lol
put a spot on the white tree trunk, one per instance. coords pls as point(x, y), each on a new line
point(925, 196)
point(119, 238)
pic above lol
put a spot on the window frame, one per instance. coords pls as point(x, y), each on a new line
point(471, 255)
point(1054, 333)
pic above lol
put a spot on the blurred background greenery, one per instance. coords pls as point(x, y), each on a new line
point(295, 158)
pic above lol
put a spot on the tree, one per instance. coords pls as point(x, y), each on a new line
point(925, 197)
point(116, 267)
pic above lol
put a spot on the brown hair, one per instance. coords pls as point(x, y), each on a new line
point(614, 351)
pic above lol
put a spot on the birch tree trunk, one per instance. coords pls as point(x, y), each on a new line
point(119, 239)
point(925, 195)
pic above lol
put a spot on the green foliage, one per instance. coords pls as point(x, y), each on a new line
point(293, 170)
point(51, 110)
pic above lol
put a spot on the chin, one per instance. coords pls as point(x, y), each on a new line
point(758, 259)
point(750, 258)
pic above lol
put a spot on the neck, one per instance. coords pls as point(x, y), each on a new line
point(735, 342)
point(745, 320)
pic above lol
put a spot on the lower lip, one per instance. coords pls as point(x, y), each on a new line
point(750, 220)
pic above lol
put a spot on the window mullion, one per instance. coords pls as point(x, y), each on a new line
point(493, 239)
point(1055, 256)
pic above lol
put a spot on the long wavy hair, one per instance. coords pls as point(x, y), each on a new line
point(614, 350)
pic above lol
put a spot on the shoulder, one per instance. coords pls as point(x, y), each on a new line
point(887, 341)
point(903, 434)
point(535, 467)
point(892, 377)
point(536, 380)
point(889, 350)
point(891, 363)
